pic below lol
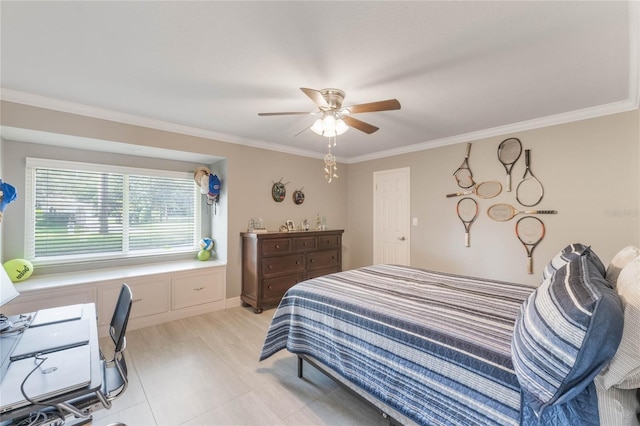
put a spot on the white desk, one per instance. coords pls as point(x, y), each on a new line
point(7, 343)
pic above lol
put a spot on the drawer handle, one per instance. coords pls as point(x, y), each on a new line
point(304, 244)
point(310, 260)
point(277, 246)
point(270, 287)
point(270, 266)
point(136, 300)
point(333, 258)
point(297, 262)
point(198, 289)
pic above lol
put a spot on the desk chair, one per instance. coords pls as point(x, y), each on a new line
point(114, 380)
point(116, 368)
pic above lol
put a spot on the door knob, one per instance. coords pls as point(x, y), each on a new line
point(402, 238)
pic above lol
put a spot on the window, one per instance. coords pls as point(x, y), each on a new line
point(81, 211)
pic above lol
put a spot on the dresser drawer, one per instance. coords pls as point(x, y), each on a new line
point(197, 287)
point(323, 259)
point(282, 264)
point(274, 288)
point(150, 296)
point(329, 241)
point(276, 246)
point(304, 243)
point(320, 272)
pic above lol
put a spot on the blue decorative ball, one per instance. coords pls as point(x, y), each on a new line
point(206, 244)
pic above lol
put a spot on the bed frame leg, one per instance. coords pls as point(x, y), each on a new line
point(391, 420)
point(300, 363)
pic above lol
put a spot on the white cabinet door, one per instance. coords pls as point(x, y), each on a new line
point(150, 296)
point(197, 287)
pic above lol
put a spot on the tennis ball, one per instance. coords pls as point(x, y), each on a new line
point(204, 255)
point(18, 269)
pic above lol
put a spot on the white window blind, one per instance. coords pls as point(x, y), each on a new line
point(81, 211)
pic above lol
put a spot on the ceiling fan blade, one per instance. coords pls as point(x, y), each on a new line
point(316, 97)
point(360, 125)
point(264, 114)
point(388, 105)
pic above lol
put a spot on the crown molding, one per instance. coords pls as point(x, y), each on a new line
point(39, 101)
point(100, 113)
point(538, 123)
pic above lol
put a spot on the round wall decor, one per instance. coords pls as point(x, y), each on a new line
point(298, 196)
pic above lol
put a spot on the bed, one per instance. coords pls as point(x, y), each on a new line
point(433, 348)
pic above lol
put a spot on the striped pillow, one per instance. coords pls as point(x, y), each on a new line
point(565, 332)
point(569, 253)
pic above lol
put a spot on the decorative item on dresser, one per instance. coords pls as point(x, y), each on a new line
point(275, 261)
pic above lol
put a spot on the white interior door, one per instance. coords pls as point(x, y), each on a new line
point(391, 221)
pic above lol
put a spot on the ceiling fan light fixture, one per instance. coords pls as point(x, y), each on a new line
point(329, 127)
point(341, 126)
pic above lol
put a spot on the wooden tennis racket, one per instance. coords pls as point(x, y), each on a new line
point(487, 189)
point(529, 191)
point(509, 151)
point(463, 174)
point(530, 231)
point(504, 212)
point(467, 209)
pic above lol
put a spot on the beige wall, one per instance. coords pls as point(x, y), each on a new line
point(250, 173)
point(590, 171)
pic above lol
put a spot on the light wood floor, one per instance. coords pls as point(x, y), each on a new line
point(204, 370)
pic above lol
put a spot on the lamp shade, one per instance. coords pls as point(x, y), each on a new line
point(329, 127)
point(7, 294)
point(7, 290)
point(341, 126)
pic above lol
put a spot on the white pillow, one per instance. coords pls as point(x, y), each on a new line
point(624, 370)
point(617, 406)
point(619, 261)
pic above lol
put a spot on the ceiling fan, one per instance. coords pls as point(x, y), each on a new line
point(334, 118)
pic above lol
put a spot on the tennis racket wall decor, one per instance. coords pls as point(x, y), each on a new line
point(463, 174)
point(529, 191)
point(485, 190)
point(509, 151)
point(505, 212)
point(530, 231)
point(467, 209)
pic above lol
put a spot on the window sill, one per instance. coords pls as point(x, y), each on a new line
point(52, 281)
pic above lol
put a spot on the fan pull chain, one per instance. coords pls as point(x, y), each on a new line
point(330, 168)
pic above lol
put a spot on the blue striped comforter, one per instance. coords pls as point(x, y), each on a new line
point(435, 347)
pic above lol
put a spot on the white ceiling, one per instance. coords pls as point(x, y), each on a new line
point(461, 70)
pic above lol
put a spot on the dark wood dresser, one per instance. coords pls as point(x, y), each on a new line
point(275, 261)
